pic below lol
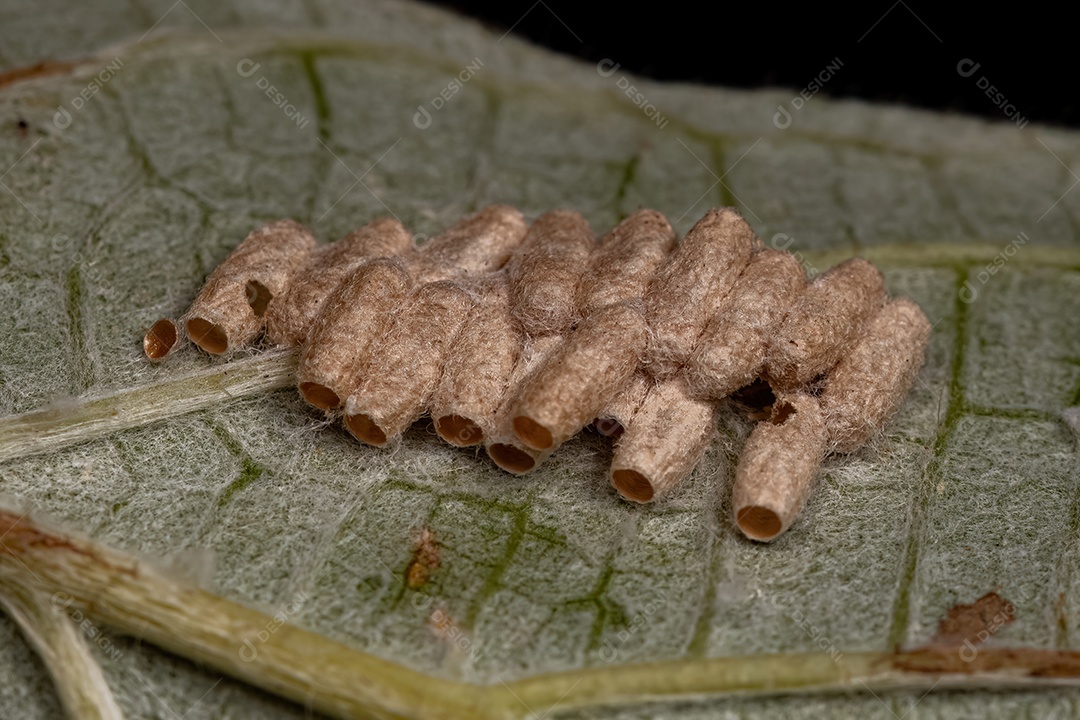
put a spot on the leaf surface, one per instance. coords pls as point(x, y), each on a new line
point(228, 115)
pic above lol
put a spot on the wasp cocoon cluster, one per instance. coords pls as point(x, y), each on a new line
point(476, 245)
point(478, 368)
point(514, 337)
point(823, 324)
point(502, 444)
point(353, 318)
point(581, 377)
point(684, 294)
point(545, 271)
point(732, 350)
point(778, 465)
point(626, 260)
point(229, 312)
point(662, 442)
point(872, 379)
point(405, 367)
point(290, 317)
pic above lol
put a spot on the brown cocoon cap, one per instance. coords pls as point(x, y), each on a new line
point(475, 245)
point(732, 350)
point(478, 368)
point(871, 380)
point(581, 377)
point(626, 260)
point(406, 364)
point(545, 272)
point(777, 467)
point(229, 312)
point(353, 317)
point(824, 324)
point(290, 316)
point(611, 421)
point(662, 442)
point(502, 445)
point(161, 339)
point(688, 288)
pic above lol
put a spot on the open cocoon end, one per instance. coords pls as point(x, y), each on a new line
point(777, 467)
point(229, 312)
point(663, 441)
point(354, 317)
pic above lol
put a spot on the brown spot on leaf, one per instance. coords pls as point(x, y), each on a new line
point(974, 623)
point(424, 561)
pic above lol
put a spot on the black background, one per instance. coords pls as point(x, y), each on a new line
point(899, 52)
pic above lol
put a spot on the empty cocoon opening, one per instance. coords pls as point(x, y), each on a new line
point(354, 316)
point(663, 441)
point(406, 364)
point(687, 289)
point(502, 445)
point(475, 245)
point(546, 270)
point(229, 311)
point(478, 368)
point(580, 377)
point(290, 316)
point(731, 351)
point(777, 467)
point(872, 379)
point(824, 324)
point(161, 339)
point(626, 260)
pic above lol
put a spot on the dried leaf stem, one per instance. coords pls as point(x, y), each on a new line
point(134, 598)
point(62, 424)
point(60, 644)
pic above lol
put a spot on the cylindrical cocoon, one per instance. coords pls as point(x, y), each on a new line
point(475, 245)
point(546, 270)
point(612, 420)
point(406, 364)
point(502, 445)
point(291, 315)
point(478, 368)
point(161, 339)
point(824, 324)
point(229, 312)
point(732, 350)
point(687, 289)
point(872, 379)
point(662, 442)
point(581, 377)
point(356, 315)
point(626, 260)
point(777, 467)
